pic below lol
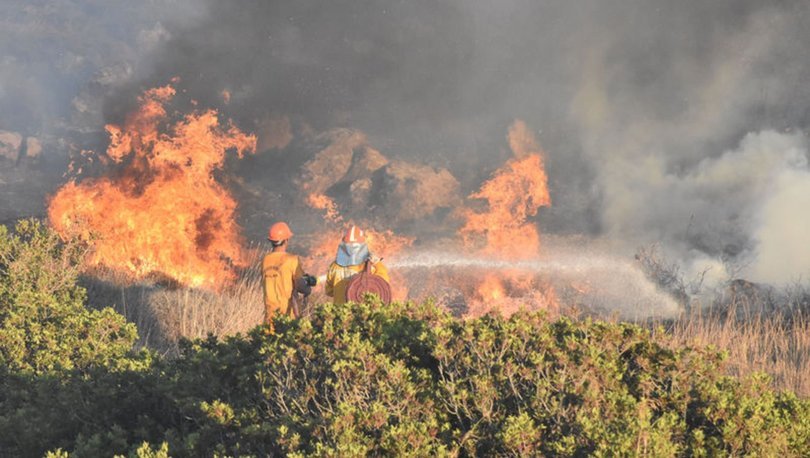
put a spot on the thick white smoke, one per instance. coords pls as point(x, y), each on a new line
point(756, 196)
point(783, 223)
point(679, 124)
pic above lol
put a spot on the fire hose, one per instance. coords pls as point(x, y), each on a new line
point(367, 282)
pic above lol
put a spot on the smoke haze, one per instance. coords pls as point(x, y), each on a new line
point(680, 123)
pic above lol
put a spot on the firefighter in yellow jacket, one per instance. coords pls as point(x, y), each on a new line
point(283, 275)
point(351, 259)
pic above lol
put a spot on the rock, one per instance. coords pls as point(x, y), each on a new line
point(331, 164)
point(408, 191)
point(10, 143)
point(33, 147)
point(365, 184)
point(365, 162)
point(360, 191)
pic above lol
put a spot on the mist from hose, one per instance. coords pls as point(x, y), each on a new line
point(584, 278)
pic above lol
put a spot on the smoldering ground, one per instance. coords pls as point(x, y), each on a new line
point(681, 123)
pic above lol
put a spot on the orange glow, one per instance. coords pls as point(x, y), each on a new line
point(386, 244)
point(504, 229)
point(507, 292)
point(491, 289)
point(513, 194)
point(162, 211)
point(382, 244)
point(325, 203)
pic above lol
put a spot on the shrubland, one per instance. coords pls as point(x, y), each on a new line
point(365, 379)
point(44, 325)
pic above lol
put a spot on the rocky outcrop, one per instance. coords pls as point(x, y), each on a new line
point(14, 147)
point(409, 191)
point(365, 184)
point(10, 143)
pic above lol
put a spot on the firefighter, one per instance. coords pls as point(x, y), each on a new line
point(283, 275)
point(351, 258)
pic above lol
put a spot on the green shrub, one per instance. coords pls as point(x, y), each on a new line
point(410, 380)
point(44, 325)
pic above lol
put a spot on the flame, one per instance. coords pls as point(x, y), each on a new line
point(508, 291)
point(322, 202)
point(504, 230)
point(382, 244)
point(386, 244)
point(514, 194)
point(491, 289)
point(162, 211)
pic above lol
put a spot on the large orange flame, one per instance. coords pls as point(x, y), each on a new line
point(504, 229)
point(514, 194)
point(162, 212)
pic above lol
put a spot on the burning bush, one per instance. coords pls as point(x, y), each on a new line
point(513, 195)
point(160, 211)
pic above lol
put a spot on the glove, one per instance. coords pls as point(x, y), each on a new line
point(302, 286)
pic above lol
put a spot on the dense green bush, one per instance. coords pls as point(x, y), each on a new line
point(407, 379)
point(44, 325)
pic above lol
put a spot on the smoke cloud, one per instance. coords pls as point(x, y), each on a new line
point(678, 123)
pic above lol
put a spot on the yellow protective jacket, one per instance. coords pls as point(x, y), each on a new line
point(280, 271)
point(337, 279)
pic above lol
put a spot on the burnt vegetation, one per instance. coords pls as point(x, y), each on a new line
point(363, 379)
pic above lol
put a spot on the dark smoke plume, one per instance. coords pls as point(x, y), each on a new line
point(681, 123)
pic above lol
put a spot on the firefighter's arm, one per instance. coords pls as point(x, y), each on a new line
point(300, 280)
point(264, 283)
point(299, 271)
point(382, 271)
point(329, 286)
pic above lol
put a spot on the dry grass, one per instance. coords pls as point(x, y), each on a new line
point(755, 338)
point(193, 313)
point(762, 328)
point(165, 314)
point(776, 345)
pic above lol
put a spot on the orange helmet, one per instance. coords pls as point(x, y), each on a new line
point(354, 235)
point(279, 232)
